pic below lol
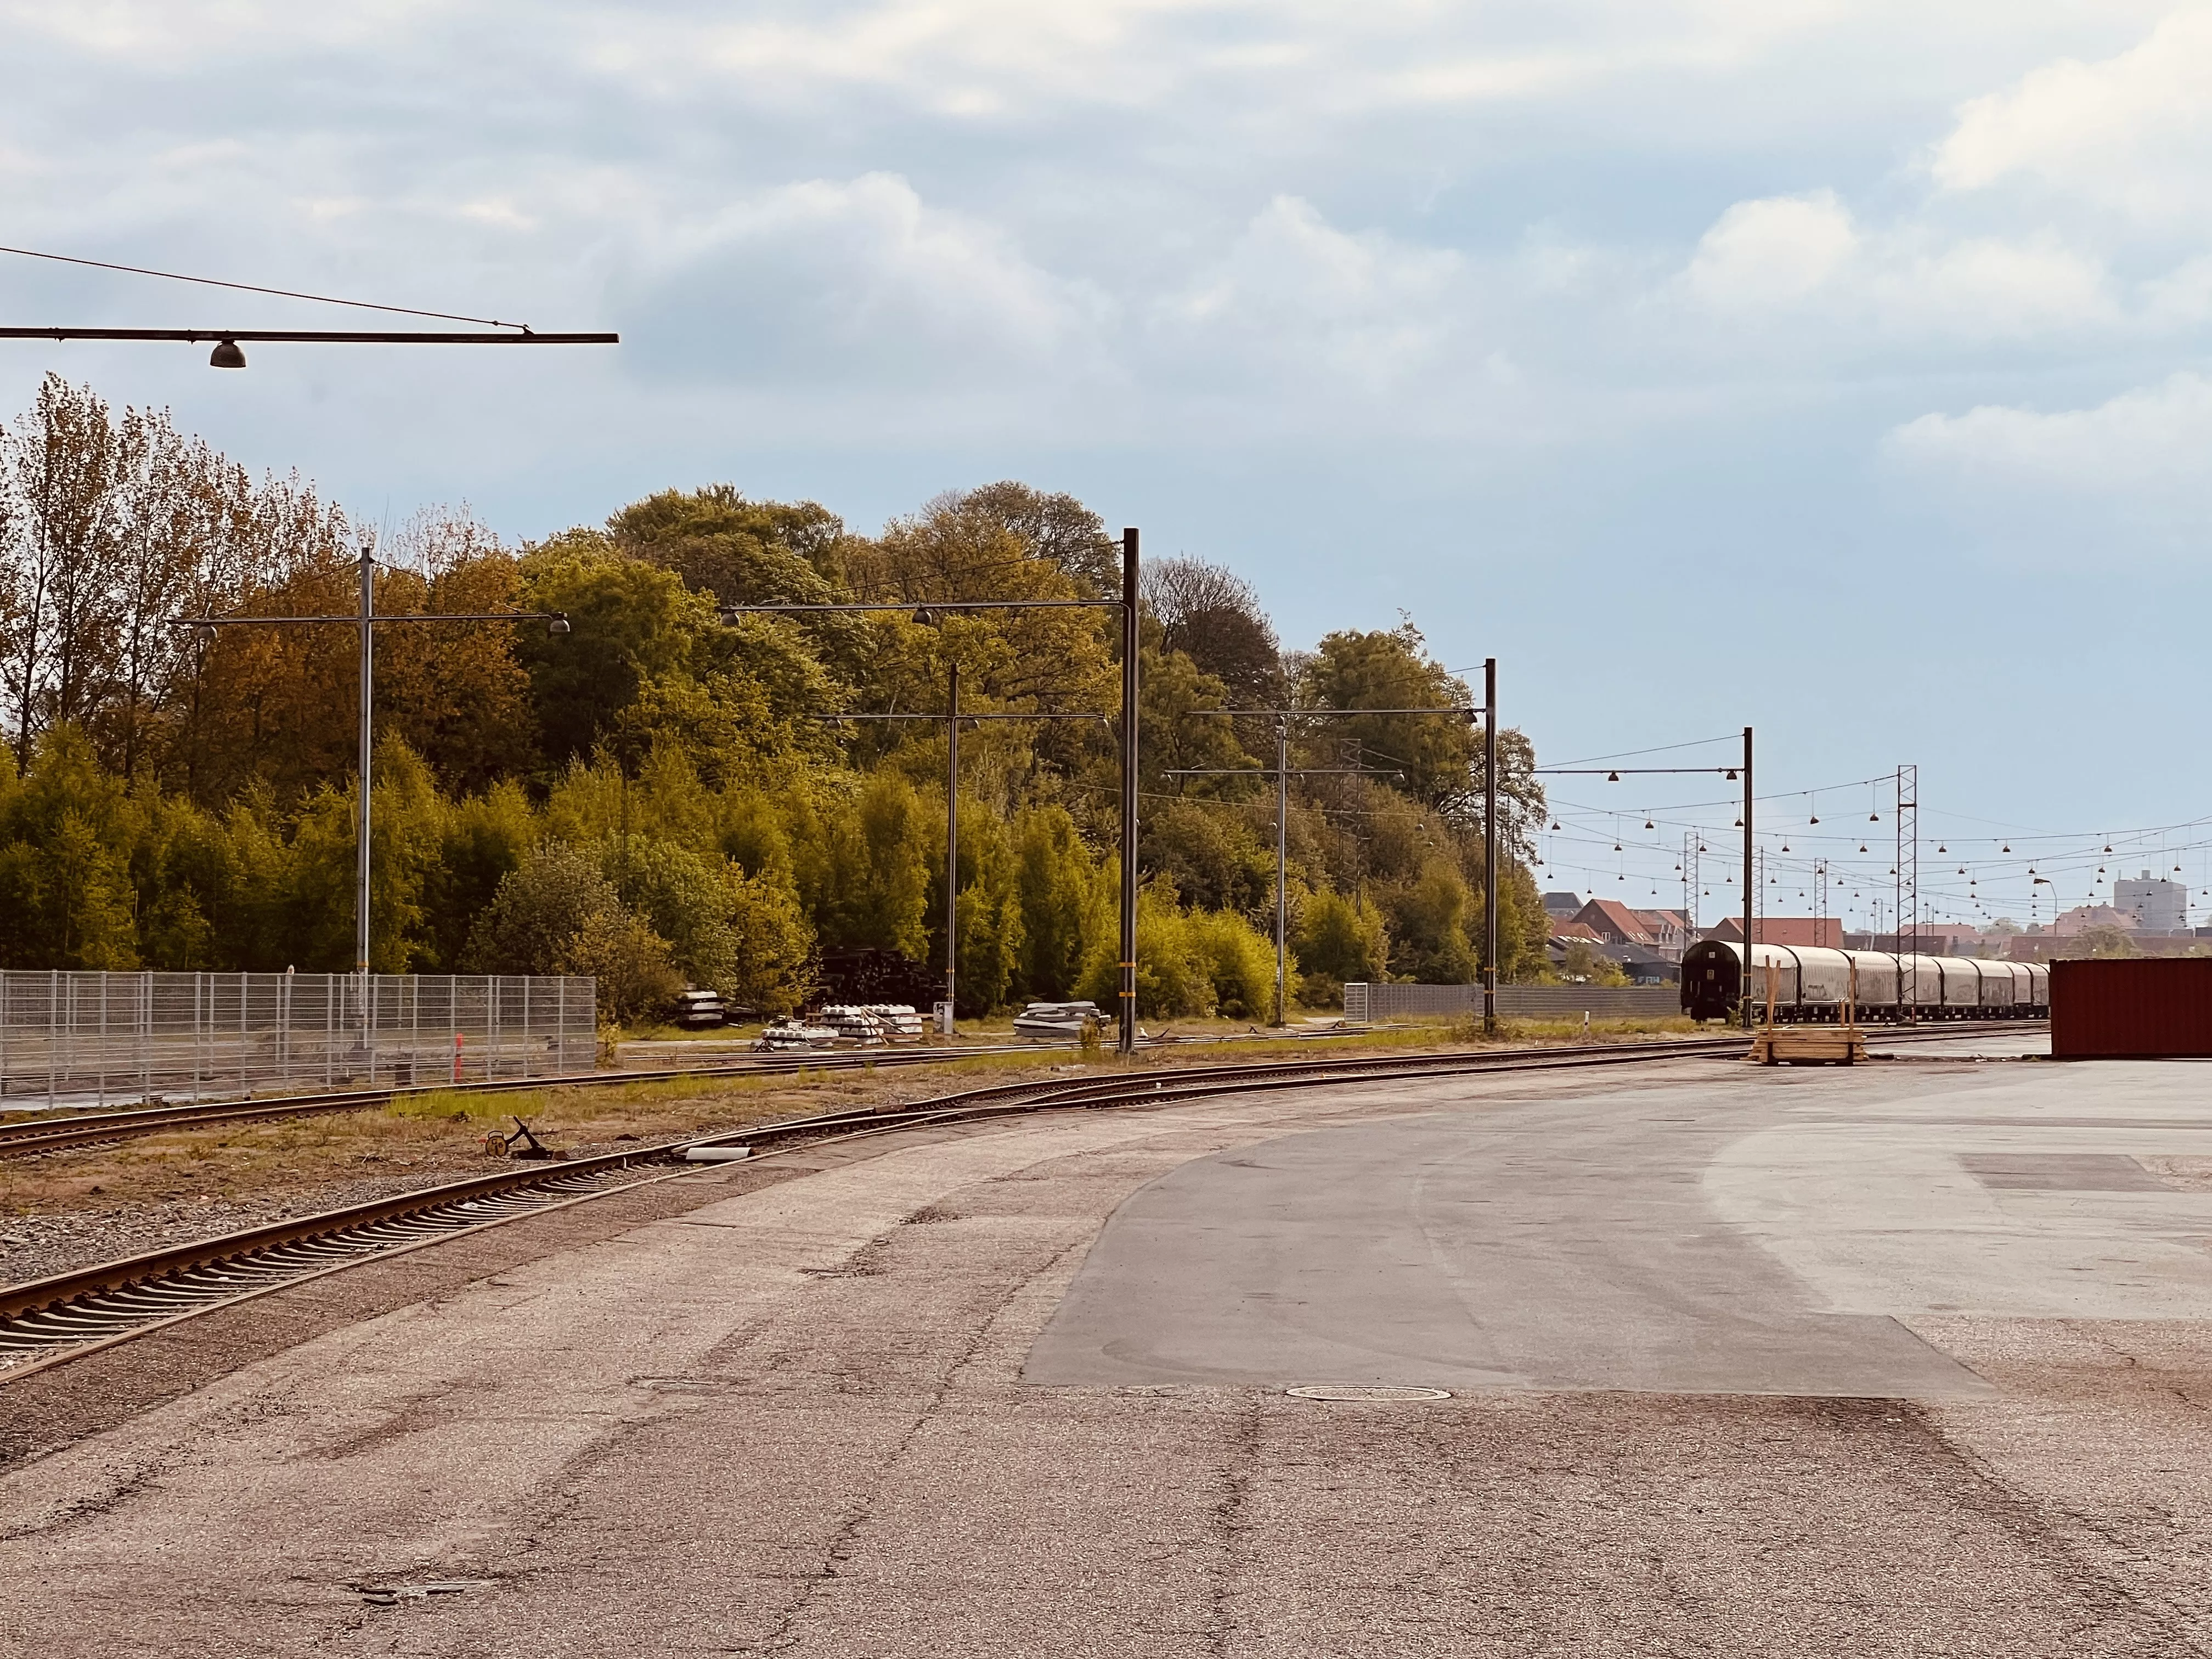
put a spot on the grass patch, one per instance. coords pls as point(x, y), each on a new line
point(439, 1133)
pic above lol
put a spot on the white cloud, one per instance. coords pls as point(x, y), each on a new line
point(1986, 286)
point(1775, 250)
point(1296, 293)
point(1807, 255)
point(859, 277)
point(2134, 131)
point(2183, 296)
point(2152, 439)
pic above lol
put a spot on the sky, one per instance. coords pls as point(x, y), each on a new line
point(1837, 368)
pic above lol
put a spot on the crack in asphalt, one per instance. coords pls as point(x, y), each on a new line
point(1228, 1526)
point(1979, 1488)
point(840, 1549)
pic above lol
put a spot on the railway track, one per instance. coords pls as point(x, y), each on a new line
point(54, 1319)
point(32, 1137)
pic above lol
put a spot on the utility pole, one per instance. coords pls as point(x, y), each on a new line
point(1282, 859)
point(226, 354)
point(1282, 768)
point(365, 619)
point(1750, 887)
point(1489, 846)
point(1131, 636)
point(361, 824)
point(952, 841)
point(1127, 602)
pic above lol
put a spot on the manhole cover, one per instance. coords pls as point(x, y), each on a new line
point(1383, 1393)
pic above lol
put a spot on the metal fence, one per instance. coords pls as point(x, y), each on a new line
point(1366, 1002)
point(74, 1039)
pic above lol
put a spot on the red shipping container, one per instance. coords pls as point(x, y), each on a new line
point(2145, 1008)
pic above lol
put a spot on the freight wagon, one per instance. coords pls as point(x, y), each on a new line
point(1812, 984)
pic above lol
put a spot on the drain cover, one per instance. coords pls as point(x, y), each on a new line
point(1383, 1393)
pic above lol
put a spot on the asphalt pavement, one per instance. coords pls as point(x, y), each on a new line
point(1906, 1359)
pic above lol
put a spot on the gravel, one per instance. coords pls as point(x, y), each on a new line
point(35, 1246)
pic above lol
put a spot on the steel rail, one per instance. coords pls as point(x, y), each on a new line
point(57, 1317)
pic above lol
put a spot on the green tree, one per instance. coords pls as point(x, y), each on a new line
point(484, 840)
point(636, 980)
point(1240, 964)
point(743, 552)
point(1174, 977)
point(538, 911)
point(630, 622)
point(1056, 877)
point(990, 913)
point(65, 834)
point(775, 943)
point(1339, 941)
point(1428, 926)
point(864, 868)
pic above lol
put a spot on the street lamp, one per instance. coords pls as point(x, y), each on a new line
point(365, 619)
point(1127, 604)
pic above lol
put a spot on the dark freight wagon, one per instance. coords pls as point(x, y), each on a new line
point(2152, 1008)
point(1814, 985)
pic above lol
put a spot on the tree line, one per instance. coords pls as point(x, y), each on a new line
point(661, 796)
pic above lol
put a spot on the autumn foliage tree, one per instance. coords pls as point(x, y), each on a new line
point(659, 797)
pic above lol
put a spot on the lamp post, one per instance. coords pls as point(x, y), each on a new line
point(365, 619)
point(952, 722)
point(1126, 1043)
point(228, 355)
point(1490, 847)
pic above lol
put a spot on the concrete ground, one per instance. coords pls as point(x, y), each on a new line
point(1908, 1359)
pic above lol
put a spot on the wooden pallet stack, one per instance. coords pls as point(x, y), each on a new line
point(1841, 1044)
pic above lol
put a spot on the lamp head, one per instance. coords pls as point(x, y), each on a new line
point(226, 354)
point(558, 626)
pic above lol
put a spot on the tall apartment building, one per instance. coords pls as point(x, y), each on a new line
point(2157, 905)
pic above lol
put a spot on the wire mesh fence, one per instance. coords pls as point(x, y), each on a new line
point(92, 1039)
point(1366, 1002)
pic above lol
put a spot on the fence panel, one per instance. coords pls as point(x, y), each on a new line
point(91, 1039)
point(1373, 1002)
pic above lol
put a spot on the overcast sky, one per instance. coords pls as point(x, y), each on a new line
point(1837, 367)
